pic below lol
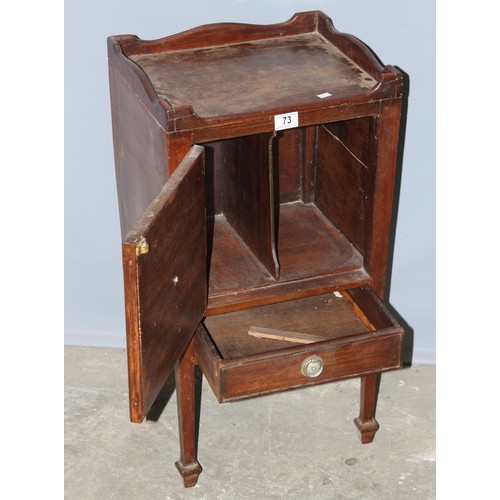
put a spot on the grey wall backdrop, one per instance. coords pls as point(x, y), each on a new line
point(401, 32)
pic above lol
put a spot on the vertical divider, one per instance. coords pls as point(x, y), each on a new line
point(249, 198)
point(274, 199)
point(309, 163)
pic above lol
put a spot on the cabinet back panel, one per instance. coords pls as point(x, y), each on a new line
point(288, 165)
point(217, 154)
point(294, 164)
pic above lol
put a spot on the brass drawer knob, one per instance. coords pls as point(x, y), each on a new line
point(312, 366)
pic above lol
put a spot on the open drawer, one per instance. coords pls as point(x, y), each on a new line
point(349, 334)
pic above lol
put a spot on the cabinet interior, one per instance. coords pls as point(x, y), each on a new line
point(290, 205)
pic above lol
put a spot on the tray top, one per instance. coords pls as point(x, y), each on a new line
point(256, 75)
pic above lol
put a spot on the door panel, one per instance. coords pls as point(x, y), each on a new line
point(164, 261)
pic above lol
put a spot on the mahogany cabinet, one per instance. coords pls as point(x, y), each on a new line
point(255, 168)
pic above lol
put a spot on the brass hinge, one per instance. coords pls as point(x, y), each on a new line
point(141, 247)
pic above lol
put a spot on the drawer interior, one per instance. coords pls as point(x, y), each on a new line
point(261, 350)
point(328, 316)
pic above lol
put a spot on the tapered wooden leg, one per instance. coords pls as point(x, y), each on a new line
point(366, 423)
point(188, 465)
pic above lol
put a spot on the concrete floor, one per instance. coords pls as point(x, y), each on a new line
point(293, 445)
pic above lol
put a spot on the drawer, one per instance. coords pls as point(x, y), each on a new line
point(301, 342)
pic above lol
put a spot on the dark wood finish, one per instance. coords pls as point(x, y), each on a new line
point(288, 165)
point(284, 61)
point(208, 357)
point(319, 37)
point(283, 335)
point(352, 48)
point(248, 201)
point(223, 33)
point(386, 157)
point(137, 80)
point(243, 366)
point(344, 178)
point(366, 304)
point(343, 358)
point(310, 161)
point(140, 147)
point(188, 465)
point(218, 154)
point(165, 279)
point(358, 136)
point(258, 123)
point(366, 424)
point(378, 243)
point(359, 312)
point(309, 245)
point(285, 290)
point(233, 267)
point(178, 146)
point(274, 222)
point(326, 316)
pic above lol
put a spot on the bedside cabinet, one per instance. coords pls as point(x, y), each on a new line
point(255, 168)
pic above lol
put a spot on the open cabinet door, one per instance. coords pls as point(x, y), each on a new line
point(164, 262)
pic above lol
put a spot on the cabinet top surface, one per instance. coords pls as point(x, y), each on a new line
point(255, 75)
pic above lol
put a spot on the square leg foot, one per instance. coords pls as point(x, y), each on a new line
point(366, 429)
point(189, 473)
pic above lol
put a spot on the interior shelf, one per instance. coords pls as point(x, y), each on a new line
point(310, 245)
point(232, 266)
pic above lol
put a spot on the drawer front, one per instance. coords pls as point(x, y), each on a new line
point(324, 362)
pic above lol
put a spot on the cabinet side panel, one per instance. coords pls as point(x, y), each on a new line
point(345, 178)
point(140, 149)
point(382, 213)
point(357, 135)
